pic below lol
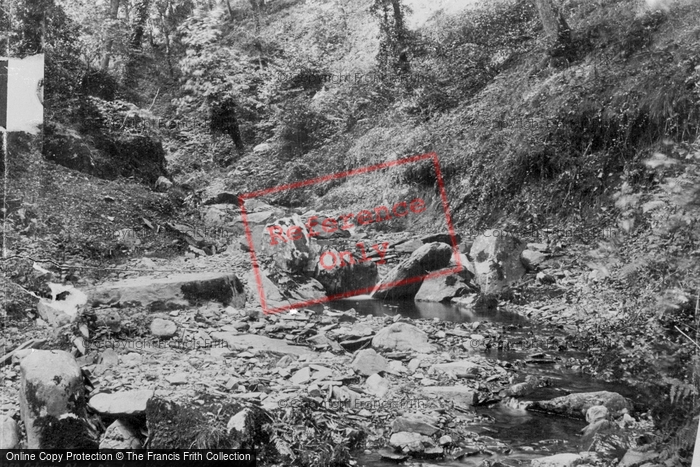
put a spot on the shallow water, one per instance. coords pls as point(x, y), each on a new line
point(528, 434)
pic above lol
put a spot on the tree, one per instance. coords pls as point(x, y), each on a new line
point(555, 27)
point(140, 17)
point(111, 20)
point(393, 48)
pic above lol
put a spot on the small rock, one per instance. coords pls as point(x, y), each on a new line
point(544, 278)
point(302, 376)
point(163, 184)
point(120, 435)
point(377, 386)
point(163, 328)
point(416, 423)
point(462, 395)
point(445, 440)
point(392, 455)
point(368, 362)
point(460, 369)
point(595, 413)
point(9, 433)
point(532, 259)
point(108, 358)
point(285, 361)
point(402, 336)
point(238, 422)
point(177, 378)
point(409, 442)
point(558, 460)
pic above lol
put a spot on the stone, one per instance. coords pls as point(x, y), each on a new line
point(307, 289)
point(392, 455)
point(121, 403)
point(108, 318)
point(634, 458)
point(396, 368)
point(121, 435)
point(416, 423)
point(462, 395)
point(442, 238)
point(576, 405)
point(558, 460)
point(441, 288)
point(270, 290)
point(163, 184)
point(237, 423)
point(355, 277)
point(260, 344)
point(544, 278)
point(163, 328)
point(368, 362)
point(288, 243)
point(402, 337)
point(532, 259)
point(377, 386)
point(595, 413)
point(352, 345)
point(445, 440)
point(9, 433)
point(108, 358)
point(414, 364)
point(302, 376)
point(429, 257)
point(171, 292)
point(459, 369)
point(51, 385)
point(409, 442)
point(497, 262)
point(63, 306)
point(177, 379)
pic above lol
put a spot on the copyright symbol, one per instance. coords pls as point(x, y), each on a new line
point(474, 343)
point(282, 403)
point(120, 456)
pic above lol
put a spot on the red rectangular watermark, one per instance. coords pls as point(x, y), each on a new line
point(364, 217)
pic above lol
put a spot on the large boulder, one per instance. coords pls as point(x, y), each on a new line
point(51, 387)
point(576, 405)
point(405, 280)
point(289, 244)
point(402, 336)
point(497, 263)
point(171, 292)
point(352, 277)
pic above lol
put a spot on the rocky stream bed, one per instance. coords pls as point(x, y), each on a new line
point(446, 373)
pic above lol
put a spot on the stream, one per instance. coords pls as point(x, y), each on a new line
point(527, 434)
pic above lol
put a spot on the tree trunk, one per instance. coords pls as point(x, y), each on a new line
point(555, 27)
point(113, 12)
point(141, 10)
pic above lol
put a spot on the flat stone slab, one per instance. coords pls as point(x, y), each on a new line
point(171, 292)
point(260, 343)
point(122, 403)
point(462, 395)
